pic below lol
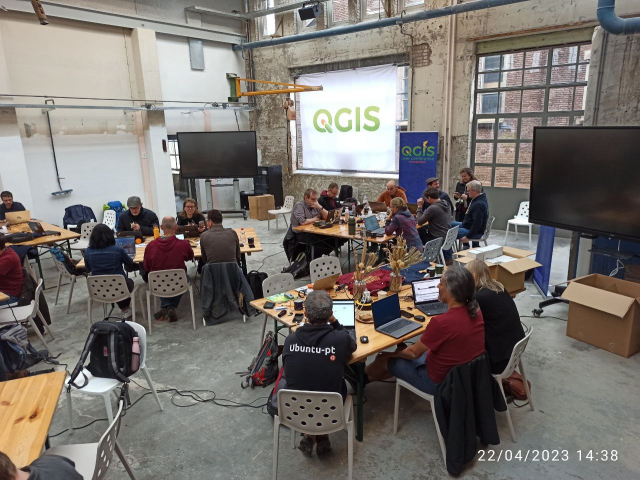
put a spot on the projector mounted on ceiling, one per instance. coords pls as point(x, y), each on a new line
point(310, 12)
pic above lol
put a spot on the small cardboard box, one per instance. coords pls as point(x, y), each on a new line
point(604, 312)
point(259, 206)
point(510, 273)
point(485, 253)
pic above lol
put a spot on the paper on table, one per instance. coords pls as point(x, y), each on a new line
point(140, 245)
point(501, 259)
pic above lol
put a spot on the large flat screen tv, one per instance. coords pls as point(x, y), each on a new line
point(587, 179)
point(218, 154)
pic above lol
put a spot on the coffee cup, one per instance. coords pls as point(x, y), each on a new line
point(431, 271)
point(439, 269)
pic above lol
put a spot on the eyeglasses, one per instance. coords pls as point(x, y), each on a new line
point(190, 206)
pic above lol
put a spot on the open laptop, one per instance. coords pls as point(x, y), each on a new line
point(371, 225)
point(332, 217)
point(36, 227)
point(326, 283)
point(345, 313)
point(378, 207)
point(189, 231)
point(387, 318)
point(425, 297)
point(413, 208)
point(16, 218)
point(128, 244)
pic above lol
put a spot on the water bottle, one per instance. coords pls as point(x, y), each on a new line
point(243, 237)
point(135, 355)
point(156, 232)
point(346, 216)
point(365, 202)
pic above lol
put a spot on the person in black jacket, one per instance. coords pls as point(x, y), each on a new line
point(137, 218)
point(434, 182)
point(315, 355)
point(502, 327)
point(462, 195)
point(475, 220)
point(329, 197)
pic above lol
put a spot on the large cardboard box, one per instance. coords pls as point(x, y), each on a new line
point(510, 270)
point(605, 312)
point(259, 206)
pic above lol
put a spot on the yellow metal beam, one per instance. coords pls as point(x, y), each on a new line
point(294, 88)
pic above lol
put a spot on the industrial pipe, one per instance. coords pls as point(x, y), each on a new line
point(383, 22)
point(612, 23)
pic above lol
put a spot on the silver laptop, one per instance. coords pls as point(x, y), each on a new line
point(388, 320)
point(425, 297)
point(371, 224)
point(345, 313)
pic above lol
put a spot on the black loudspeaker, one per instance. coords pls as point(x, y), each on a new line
point(309, 13)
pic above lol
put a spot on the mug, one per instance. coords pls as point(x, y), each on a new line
point(252, 242)
point(298, 304)
point(439, 269)
point(431, 271)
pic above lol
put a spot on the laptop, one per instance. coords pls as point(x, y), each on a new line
point(377, 207)
point(387, 319)
point(16, 218)
point(128, 244)
point(345, 313)
point(425, 297)
point(371, 225)
point(326, 283)
point(189, 231)
point(332, 217)
point(413, 208)
point(36, 227)
point(130, 234)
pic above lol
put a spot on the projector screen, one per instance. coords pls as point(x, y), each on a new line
point(218, 154)
point(587, 179)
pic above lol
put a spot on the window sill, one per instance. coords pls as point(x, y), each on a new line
point(392, 176)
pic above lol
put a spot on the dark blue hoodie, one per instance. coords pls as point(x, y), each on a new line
point(475, 220)
point(403, 223)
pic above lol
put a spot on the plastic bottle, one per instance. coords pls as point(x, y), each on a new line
point(346, 216)
point(135, 355)
point(243, 236)
point(156, 231)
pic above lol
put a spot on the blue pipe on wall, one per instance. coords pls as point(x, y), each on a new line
point(612, 23)
point(384, 22)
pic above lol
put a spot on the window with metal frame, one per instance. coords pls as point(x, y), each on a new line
point(371, 9)
point(337, 12)
point(267, 23)
point(410, 4)
point(515, 92)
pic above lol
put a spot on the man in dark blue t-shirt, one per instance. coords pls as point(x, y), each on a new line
point(8, 205)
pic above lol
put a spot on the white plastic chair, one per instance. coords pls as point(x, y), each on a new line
point(284, 210)
point(108, 289)
point(64, 273)
point(312, 413)
point(427, 397)
point(104, 386)
point(521, 219)
point(109, 219)
point(324, 267)
point(516, 361)
point(85, 232)
point(432, 250)
point(92, 460)
point(279, 283)
point(449, 242)
point(167, 284)
point(485, 235)
point(13, 314)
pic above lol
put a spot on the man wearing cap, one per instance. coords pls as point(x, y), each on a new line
point(434, 182)
point(137, 218)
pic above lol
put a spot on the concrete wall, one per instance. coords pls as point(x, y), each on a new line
point(517, 22)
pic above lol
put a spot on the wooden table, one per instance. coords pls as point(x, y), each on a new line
point(26, 410)
point(377, 341)
point(244, 250)
point(3, 297)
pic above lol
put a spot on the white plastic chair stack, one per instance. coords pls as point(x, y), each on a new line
point(279, 283)
point(167, 284)
point(324, 267)
point(108, 289)
point(521, 219)
point(284, 211)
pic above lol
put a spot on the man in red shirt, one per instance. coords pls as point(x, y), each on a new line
point(10, 273)
point(451, 339)
point(167, 252)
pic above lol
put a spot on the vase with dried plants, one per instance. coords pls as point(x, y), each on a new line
point(400, 258)
point(363, 273)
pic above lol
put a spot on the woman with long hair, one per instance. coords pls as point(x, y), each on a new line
point(190, 215)
point(461, 195)
point(453, 338)
point(502, 327)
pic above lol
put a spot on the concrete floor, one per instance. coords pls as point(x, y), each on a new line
point(585, 398)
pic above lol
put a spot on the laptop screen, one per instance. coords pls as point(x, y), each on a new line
point(345, 312)
point(385, 310)
point(371, 223)
point(128, 244)
point(426, 290)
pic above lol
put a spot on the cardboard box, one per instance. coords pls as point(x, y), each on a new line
point(259, 206)
point(510, 270)
point(604, 312)
point(485, 253)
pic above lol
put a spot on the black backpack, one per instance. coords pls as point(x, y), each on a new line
point(299, 267)
point(111, 347)
point(255, 279)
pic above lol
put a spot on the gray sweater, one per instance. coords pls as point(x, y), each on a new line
point(439, 217)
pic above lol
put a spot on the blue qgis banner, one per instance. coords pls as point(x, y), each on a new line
point(544, 254)
point(418, 161)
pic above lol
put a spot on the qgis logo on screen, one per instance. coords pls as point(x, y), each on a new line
point(346, 120)
point(419, 151)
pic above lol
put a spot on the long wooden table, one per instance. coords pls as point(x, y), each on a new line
point(27, 406)
point(3, 297)
point(377, 341)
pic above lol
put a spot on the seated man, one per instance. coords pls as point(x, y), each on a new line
point(329, 197)
point(47, 467)
point(434, 182)
point(219, 244)
point(8, 205)
point(475, 220)
point(137, 218)
point(305, 212)
point(11, 278)
point(167, 252)
point(438, 215)
point(307, 364)
point(392, 192)
point(450, 339)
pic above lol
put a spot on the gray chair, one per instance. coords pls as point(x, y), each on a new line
point(485, 235)
point(64, 273)
point(279, 283)
point(432, 250)
point(449, 242)
point(323, 267)
point(85, 233)
point(168, 284)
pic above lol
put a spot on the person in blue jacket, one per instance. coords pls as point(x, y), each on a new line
point(475, 220)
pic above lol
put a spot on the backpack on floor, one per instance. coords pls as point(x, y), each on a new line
point(16, 351)
point(263, 370)
point(255, 279)
point(272, 401)
point(299, 267)
point(114, 351)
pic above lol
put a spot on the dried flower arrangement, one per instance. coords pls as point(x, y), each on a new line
point(399, 259)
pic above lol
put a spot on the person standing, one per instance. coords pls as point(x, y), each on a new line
point(167, 252)
point(403, 223)
point(392, 192)
point(329, 197)
point(190, 215)
point(8, 205)
point(11, 277)
point(137, 218)
point(462, 195)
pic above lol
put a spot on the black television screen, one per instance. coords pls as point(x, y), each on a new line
point(218, 154)
point(587, 179)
